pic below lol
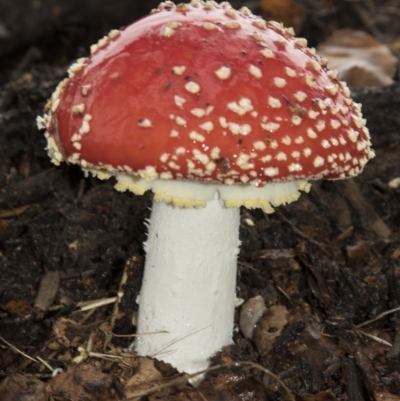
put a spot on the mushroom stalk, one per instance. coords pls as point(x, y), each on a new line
point(188, 291)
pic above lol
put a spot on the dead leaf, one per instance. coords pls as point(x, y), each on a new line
point(145, 378)
point(359, 58)
point(18, 387)
point(288, 12)
point(19, 308)
point(82, 382)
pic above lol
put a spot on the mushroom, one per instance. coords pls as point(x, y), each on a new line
point(211, 109)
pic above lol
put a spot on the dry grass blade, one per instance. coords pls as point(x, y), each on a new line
point(380, 316)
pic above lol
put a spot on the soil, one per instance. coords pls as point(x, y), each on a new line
point(327, 266)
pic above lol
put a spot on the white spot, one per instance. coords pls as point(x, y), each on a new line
point(144, 123)
point(300, 96)
point(166, 175)
point(302, 42)
point(274, 102)
point(358, 121)
point(296, 120)
point(223, 122)
point(325, 144)
point(174, 133)
point(78, 109)
point(335, 124)
point(332, 89)
point(180, 120)
point(315, 65)
point(345, 88)
point(267, 53)
point(344, 110)
point(246, 11)
point(179, 101)
point(342, 140)
point(201, 157)
point(85, 89)
point(259, 145)
point(352, 134)
point(208, 126)
point(332, 74)
point(209, 26)
point(257, 36)
point(286, 140)
point(266, 158)
point(334, 110)
point(242, 107)
point(77, 145)
point(195, 136)
point(230, 13)
point(318, 161)
point(198, 112)
point(179, 69)
point(223, 72)
point(168, 31)
point(295, 167)
point(290, 31)
point(210, 167)
point(311, 133)
point(295, 154)
point(173, 165)
point(307, 152)
point(299, 140)
point(334, 142)
point(309, 79)
point(215, 153)
point(232, 25)
point(192, 87)
point(271, 127)
point(313, 114)
point(114, 33)
point(320, 125)
point(281, 156)
point(209, 109)
point(243, 162)
point(180, 151)
point(255, 71)
point(245, 179)
point(238, 129)
point(259, 23)
point(271, 171)
point(273, 144)
point(164, 157)
point(279, 82)
point(290, 72)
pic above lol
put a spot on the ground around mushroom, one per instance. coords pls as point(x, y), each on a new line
point(327, 266)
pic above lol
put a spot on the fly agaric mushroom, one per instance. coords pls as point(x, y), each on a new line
point(211, 109)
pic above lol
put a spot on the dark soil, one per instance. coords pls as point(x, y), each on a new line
point(331, 261)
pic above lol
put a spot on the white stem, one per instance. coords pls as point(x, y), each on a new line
point(189, 284)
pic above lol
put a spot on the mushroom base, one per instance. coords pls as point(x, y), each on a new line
point(187, 300)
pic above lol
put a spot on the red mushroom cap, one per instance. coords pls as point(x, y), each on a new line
point(201, 91)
